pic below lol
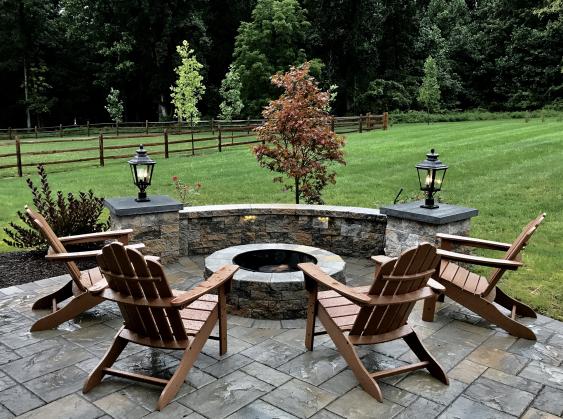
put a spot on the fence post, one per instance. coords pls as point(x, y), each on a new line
point(61, 129)
point(212, 127)
point(165, 143)
point(36, 132)
point(219, 137)
point(117, 128)
point(87, 128)
point(101, 146)
point(179, 126)
point(248, 124)
point(332, 123)
point(19, 156)
point(368, 121)
point(360, 127)
point(10, 133)
point(385, 120)
point(146, 126)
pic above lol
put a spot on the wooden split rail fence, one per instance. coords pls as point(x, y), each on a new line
point(163, 139)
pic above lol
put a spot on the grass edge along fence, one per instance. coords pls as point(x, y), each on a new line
point(200, 135)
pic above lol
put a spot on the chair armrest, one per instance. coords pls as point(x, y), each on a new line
point(382, 259)
point(223, 275)
point(96, 237)
point(314, 272)
point(479, 260)
point(72, 256)
point(435, 285)
point(473, 242)
point(98, 287)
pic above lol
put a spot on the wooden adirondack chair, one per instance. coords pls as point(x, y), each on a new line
point(374, 314)
point(479, 293)
point(80, 280)
point(157, 316)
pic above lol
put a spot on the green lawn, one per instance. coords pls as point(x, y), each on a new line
point(510, 170)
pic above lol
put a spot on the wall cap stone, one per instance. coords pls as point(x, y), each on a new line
point(445, 214)
point(126, 206)
point(288, 209)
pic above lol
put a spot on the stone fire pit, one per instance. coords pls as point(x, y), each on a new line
point(269, 285)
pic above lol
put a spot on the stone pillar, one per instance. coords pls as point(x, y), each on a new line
point(409, 224)
point(155, 223)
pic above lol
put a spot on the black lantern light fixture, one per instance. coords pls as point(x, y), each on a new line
point(431, 174)
point(142, 167)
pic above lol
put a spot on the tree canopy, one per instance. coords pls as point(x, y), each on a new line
point(59, 58)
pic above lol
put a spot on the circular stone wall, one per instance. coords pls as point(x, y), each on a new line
point(272, 295)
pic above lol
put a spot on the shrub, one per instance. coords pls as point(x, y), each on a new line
point(67, 216)
point(185, 190)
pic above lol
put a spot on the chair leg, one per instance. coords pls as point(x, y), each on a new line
point(422, 353)
point(312, 308)
point(490, 312)
point(46, 302)
point(107, 361)
point(76, 306)
point(190, 355)
point(222, 307)
point(429, 308)
point(348, 352)
point(508, 302)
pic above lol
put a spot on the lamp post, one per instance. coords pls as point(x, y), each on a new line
point(142, 167)
point(431, 174)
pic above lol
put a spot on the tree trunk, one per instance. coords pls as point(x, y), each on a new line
point(26, 93)
point(297, 190)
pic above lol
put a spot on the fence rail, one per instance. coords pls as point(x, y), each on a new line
point(104, 138)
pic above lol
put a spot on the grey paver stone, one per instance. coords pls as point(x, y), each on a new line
point(533, 413)
point(173, 410)
point(325, 414)
point(19, 400)
point(228, 365)
point(543, 373)
point(299, 398)
point(421, 408)
point(466, 371)
point(464, 408)
point(5, 413)
point(69, 407)
point(498, 359)
point(425, 385)
point(538, 351)
point(147, 396)
point(272, 353)
point(226, 395)
point(253, 336)
point(358, 404)
point(341, 383)
point(120, 406)
point(261, 410)
point(267, 374)
point(44, 362)
point(57, 384)
point(316, 366)
point(550, 400)
point(448, 354)
point(499, 396)
point(5, 382)
point(234, 346)
point(512, 380)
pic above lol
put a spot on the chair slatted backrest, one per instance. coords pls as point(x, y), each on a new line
point(143, 292)
point(55, 244)
point(409, 273)
point(514, 251)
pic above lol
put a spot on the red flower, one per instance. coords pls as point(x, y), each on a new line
point(174, 178)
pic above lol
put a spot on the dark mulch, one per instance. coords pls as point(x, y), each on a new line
point(22, 267)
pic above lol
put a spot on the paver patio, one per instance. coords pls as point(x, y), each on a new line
point(268, 373)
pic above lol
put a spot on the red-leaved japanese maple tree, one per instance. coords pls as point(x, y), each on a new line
point(297, 140)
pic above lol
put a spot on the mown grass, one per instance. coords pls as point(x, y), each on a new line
point(510, 170)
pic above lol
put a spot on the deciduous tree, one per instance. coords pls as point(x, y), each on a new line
point(231, 105)
point(429, 92)
point(298, 142)
point(114, 105)
point(189, 87)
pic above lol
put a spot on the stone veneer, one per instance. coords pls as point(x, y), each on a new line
point(155, 223)
point(272, 295)
point(409, 224)
point(348, 231)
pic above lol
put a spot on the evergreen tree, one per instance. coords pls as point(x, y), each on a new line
point(429, 91)
point(273, 40)
point(189, 87)
point(232, 105)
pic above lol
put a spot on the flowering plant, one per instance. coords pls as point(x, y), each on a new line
point(185, 190)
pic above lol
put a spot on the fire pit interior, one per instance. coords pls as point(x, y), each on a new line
point(272, 260)
point(269, 284)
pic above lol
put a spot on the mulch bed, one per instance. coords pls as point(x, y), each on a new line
point(22, 267)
